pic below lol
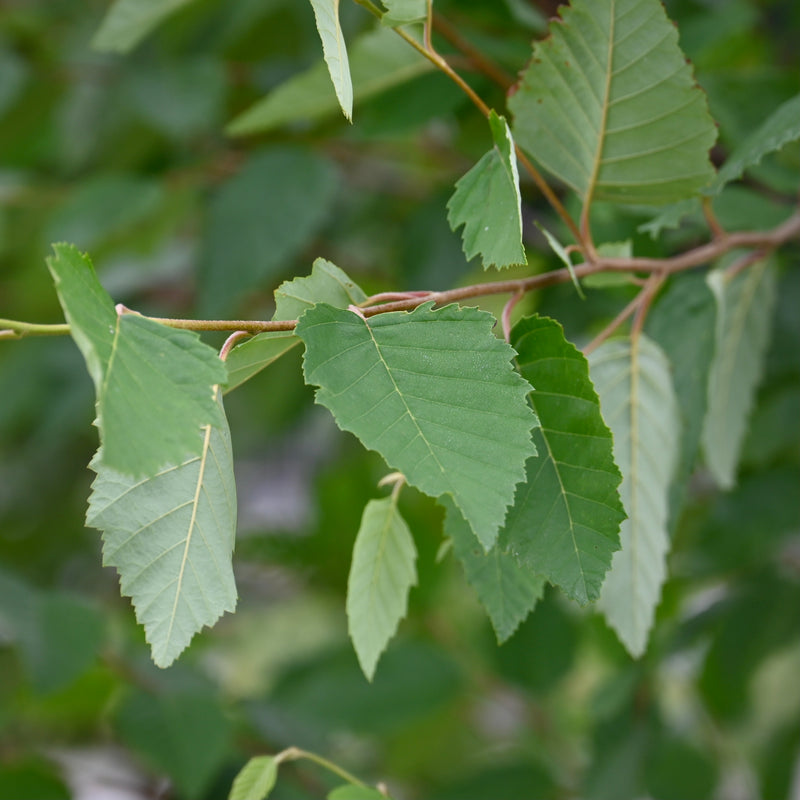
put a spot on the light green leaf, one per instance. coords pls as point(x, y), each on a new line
point(404, 12)
point(744, 317)
point(777, 130)
point(565, 520)
point(381, 573)
point(634, 383)
point(253, 355)
point(154, 384)
point(379, 60)
point(127, 22)
point(326, 14)
point(255, 780)
point(562, 253)
point(488, 204)
point(434, 393)
point(171, 539)
point(507, 590)
point(350, 791)
point(608, 105)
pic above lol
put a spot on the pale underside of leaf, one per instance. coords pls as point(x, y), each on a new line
point(608, 104)
point(744, 316)
point(326, 13)
point(638, 402)
point(171, 539)
point(381, 573)
point(565, 520)
point(434, 393)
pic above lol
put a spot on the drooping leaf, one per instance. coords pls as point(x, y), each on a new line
point(565, 520)
point(351, 791)
point(507, 590)
point(487, 203)
point(260, 219)
point(777, 130)
point(255, 780)
point(634, 384)
point(326, 14)
point(381, 573)
point(154, 384)
point(609, 106)
point(744, 315)
point(326, 284)
point(127, 22)
point(562, 253)
point(171, 539)
point(379, 60)
point(682, 324)
point(404, 12)
point(434, 393)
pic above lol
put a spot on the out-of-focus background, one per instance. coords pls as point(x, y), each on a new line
point(127, 157)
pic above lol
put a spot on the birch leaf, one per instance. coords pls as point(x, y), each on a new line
point(326, 13)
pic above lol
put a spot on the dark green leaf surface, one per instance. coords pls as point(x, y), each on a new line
point(434, 393)
point(171, 539)
point(487, 203)
point(255, 780)
point(127, 22)
point(154, 385)
point(744, 321)
point(507, 590)
point(565, 520)
point(634, 383)
point(608, 105)
point(326, 14)
point(381, 574)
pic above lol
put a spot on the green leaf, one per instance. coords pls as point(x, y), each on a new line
point(507, 590)
point(434, 393)
point(608, 105)
point(253, 233)
point(379, 60)
point(127, 22)
point(350, 791)
point(404, 12)
point(780, 128)
point(381, 573)
point(255, 354)
point(488, 204)
point(326, 14)
point(634, 383)
point(672, 216)
point(185, 735)
point(255, 780)
point(562, 253)
point(744, 316)
point(171, 539)
point(154, 384)
point(565, 520)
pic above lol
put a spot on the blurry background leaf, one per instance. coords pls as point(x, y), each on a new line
point(127, 22)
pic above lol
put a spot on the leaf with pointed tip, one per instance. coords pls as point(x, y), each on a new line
point(634, 383)
point(608, 105)
point(434, 393)
point(744, 316)
point(255, 780)
point(171, 539)
point(379, 60)
point(127, 22)
point(381, 573)
point(507, 589)
point(488, 204)
point(326, 14)
point(154, 384)
point(565, 520)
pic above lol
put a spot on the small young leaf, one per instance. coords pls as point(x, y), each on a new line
point(507, 590)
point(255, 780)
point(565, 520)
point(326, 13)
point(349, 791)
point(608, 105)
point(562, 253)
point(127, 22)
point(381, 573)
point(744, 316)
point(253, 355)
point(154, 384)
point(171, 539)
point(379, 60)
point(488, 204)
point(404, 12)
point(434, 393)
point(326, 284)
point(634, 383)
